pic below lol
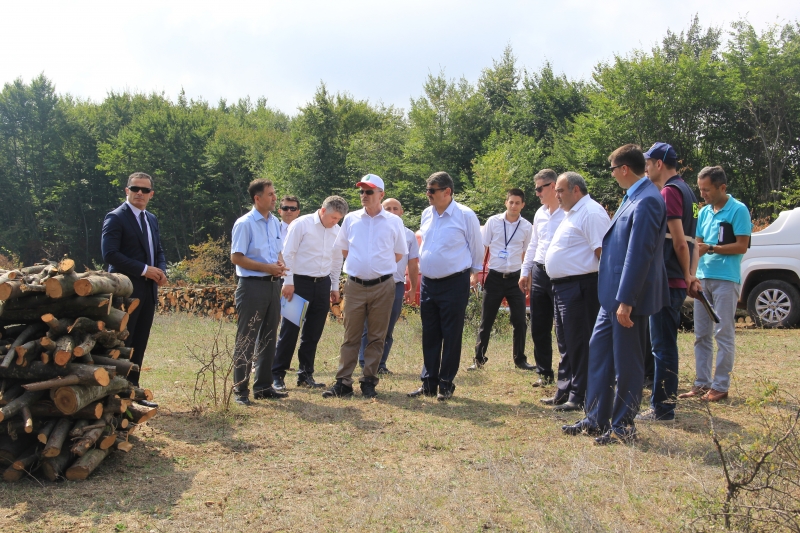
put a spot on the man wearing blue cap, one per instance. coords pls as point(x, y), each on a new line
point(660, 164)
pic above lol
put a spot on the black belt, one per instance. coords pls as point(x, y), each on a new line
point(370, 282)
point(579, 277)
point(540, 265)
point(505, 275)
point(262, 278)
point(311, 278)
point(451, 276)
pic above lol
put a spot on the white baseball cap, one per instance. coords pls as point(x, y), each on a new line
point(372, 181)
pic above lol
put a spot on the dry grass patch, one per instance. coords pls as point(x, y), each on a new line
point(491, 459)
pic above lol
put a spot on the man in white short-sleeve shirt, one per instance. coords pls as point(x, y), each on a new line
point(572, 261)
point(505, 237)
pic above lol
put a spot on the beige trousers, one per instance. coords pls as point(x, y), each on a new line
point(373, 305)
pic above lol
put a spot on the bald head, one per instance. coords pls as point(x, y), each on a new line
point(393, 206)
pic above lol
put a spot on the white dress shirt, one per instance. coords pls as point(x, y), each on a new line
point(413, 253)
point(507, 241)
point(308, 250)
point(135, 210)
point(571, 252)
point(545, 224)
point(451, 242)
point(371, 243)
point(284, 229)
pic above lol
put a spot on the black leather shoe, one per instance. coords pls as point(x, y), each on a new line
point(147, 403)
point(383, 370)
point(477, 365)
point(422, 391)
point(523, 364)
point(368, 390)
point(278, 384)
point(581, 427)
point(550, 401)
point(339, 390)
point(269, 392)
point(444, 395)
point(624, 436)
point(568, 406)
point(542, 382)
point(243, 400)
point(308, 381)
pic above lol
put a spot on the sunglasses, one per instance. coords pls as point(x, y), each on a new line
point(135, 188)
point(540, 188)
point(368, 192)
point(612, 169)
point(289, 208)
point(433, 191)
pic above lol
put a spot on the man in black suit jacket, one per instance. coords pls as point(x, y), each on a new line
point(132, 246)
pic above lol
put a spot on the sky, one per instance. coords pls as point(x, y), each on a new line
point(379, 51)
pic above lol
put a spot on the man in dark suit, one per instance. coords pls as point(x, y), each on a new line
point(632, 286)
point(131, 245)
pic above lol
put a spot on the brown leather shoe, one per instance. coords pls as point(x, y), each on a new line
point(696, 391)
point(714, 395)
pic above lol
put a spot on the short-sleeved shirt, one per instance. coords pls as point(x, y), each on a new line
point(674, 200)
point(371, 243)
point(507, 241)
point(257, 238)
point(571, 252)
point(719, 266)
point(413, 253)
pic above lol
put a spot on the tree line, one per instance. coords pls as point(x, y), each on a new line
point(731, 101)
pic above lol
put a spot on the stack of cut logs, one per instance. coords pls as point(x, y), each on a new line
point(64, 400)
point(212, 301)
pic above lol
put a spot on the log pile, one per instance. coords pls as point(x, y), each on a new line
point(216, 302)
point(64, 400)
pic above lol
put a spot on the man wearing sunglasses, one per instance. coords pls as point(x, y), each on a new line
point(289, 211)
point(632, 285)
point(449, 257)
point(372, 241)
point(131, 245)
point(535, 279)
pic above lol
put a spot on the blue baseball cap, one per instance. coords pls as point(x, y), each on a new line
point(664, 152)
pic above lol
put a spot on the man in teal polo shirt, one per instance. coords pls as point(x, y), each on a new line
point(723, 234)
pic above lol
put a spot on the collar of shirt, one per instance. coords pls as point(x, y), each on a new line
point(382, 213)
point(135, 210)
point(580, 204)
point(632, 188)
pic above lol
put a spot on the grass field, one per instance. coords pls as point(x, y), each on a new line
point(492, 459)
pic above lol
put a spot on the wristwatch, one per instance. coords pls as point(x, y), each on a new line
point(710, 250)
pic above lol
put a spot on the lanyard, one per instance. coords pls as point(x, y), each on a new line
point(507, 240)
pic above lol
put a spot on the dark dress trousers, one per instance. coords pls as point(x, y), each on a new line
point(125, 250)
point(631, 271)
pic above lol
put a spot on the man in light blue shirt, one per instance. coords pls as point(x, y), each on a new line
point(256, 252)
point(450, 256)
point(723, 234)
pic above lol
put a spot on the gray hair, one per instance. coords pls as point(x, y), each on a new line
point(715, 174)
point(546, 175)
point(442, 180)
point(575, 179)
point(335, 203)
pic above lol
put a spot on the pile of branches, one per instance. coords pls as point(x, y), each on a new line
point(216, 302)
point(64, 400)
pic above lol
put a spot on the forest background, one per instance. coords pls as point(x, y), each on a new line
point(728, 97)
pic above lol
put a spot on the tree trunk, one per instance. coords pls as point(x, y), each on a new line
point(46, 409)
point(86, 464)
point(53, 467)
point(85, 346)
point(141, 414)
point(72, 398)
point(46, 430)
point(28, 352)
point(89, 438)
point(114, 283)
point(16, 405)
point(35, 371)
point(57, 437)
point(123, 366)
point(82, 375)
point(64, 347)
point(32, 331)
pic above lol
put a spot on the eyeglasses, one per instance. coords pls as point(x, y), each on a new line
point(135, 188)
point(289, 208)
point(612, 169)
point(433, 190)
point(541, 187)
point(368, 192)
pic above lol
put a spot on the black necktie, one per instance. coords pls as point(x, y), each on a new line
point(143, 227)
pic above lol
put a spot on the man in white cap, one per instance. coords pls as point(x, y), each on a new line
point(372, 241)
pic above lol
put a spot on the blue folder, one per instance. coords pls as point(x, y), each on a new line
point(294, 311)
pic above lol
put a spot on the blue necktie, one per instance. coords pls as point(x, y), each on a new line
point(143, 227)
point(624, 199)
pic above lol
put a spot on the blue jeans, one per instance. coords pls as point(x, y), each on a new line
point(397, 306)
point(664, 338)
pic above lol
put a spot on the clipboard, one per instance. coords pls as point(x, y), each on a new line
point(712, 314)
point(294, 311)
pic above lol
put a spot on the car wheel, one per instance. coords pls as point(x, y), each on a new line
point(774, 304)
